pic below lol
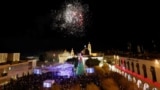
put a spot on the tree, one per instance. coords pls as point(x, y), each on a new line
point(42, 57)
point(73, 61)
point(80, 68)
point(92, 62)
point(99, 71)
point(105, 67)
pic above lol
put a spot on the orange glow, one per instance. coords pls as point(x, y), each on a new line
point(94, 54)
point(156, 61)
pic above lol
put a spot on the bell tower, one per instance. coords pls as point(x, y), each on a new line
point(72, 52)
point(89, 48)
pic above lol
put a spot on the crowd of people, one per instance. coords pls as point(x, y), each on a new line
point(27, 82)
point(100, 80)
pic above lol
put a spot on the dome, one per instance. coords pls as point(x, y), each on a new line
point(85, 51)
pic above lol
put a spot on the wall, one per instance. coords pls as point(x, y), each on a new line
point(148, 63)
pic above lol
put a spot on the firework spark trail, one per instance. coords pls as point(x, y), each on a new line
point(71, 18)
point(73, 15)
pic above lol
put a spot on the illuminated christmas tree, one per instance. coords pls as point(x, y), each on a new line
point(80, 67)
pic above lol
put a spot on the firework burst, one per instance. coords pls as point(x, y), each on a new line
point(71, 19)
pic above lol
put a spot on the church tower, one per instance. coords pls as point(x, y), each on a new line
point(72, 52)
point(89, 48)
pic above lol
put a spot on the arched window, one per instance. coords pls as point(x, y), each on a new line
point(154, 78)
point(128, 65)
point(132, 66)
point(144, 70)
point(125, 64)
point(138, 70)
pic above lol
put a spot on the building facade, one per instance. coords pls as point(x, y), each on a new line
point(3, 57)
point(9, 57)
point(65, 55)
point(13, 57)
point(14, 70)
point(143, 72)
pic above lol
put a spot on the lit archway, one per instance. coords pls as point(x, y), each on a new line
point(154, 89)
point(146, 86)
point(125, 75)
point(129, 78)
point(122, 73)
point(139, 84)
point(134, 79)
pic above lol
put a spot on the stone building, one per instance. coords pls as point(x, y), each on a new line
point(144, 72)
point(15, 69)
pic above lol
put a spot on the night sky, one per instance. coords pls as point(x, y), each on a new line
point(26, 27)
